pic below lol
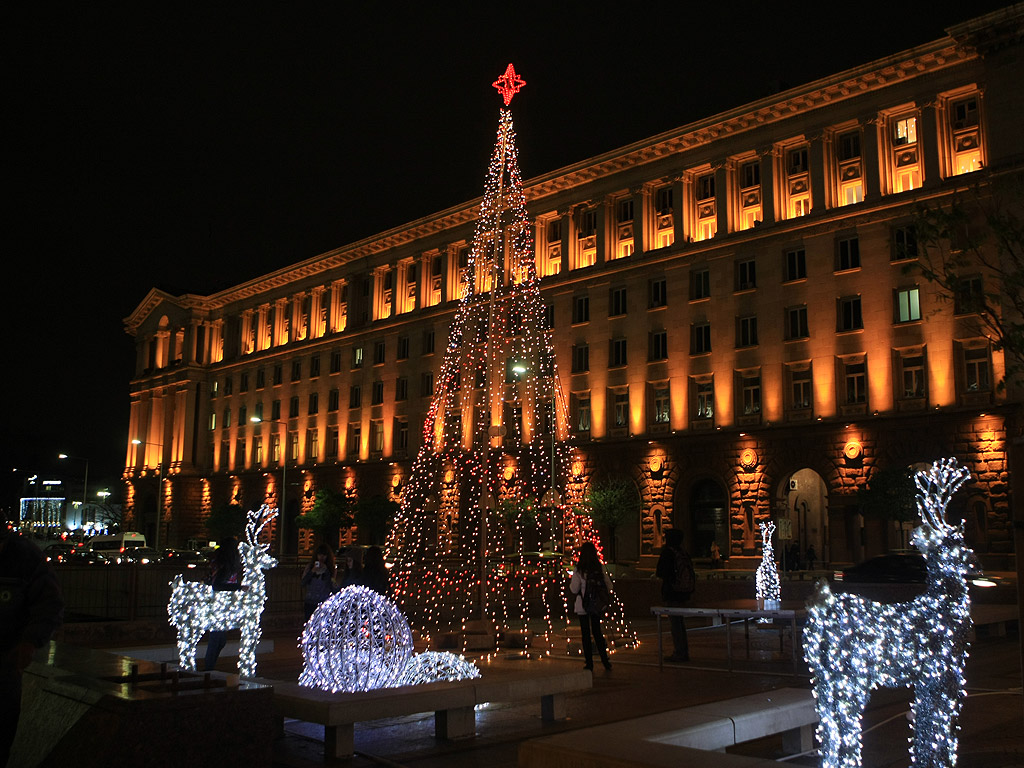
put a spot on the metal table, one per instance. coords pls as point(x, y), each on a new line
point(791, 611)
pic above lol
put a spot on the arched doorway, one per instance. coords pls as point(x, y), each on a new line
point(804, 497)
point(709, 516)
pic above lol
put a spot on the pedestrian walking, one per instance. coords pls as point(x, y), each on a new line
point(592, 588)
point(678, 582)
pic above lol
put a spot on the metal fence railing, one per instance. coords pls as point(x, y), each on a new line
point(138, 592)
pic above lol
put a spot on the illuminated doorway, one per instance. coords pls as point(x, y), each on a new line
point(804, 496)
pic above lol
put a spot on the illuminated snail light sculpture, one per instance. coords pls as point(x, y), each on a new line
point(356, 640)
point(853, 645)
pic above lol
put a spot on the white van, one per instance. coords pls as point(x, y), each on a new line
point(111, 546)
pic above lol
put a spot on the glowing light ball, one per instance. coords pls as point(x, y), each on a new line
point(356, 640)
point(853, 645)
point(434, 666)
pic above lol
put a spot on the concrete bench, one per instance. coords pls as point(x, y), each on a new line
point(691, 736)
point(453, 704)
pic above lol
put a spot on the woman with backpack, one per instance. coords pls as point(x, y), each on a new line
point(592, 588)
point(675, 569)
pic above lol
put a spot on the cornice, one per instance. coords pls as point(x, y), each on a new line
point(852, 83)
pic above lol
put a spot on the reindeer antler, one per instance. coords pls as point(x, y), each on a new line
point(936, 487)
point(255, 522)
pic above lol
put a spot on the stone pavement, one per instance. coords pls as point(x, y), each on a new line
point(991, 735)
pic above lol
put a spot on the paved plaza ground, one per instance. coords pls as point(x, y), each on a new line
point(992, 734)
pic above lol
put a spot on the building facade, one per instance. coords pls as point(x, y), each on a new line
point(739, 325)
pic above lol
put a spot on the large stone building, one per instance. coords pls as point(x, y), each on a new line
point(739, 325)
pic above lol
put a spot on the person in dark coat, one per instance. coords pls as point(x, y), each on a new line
point(675, 569)
point(319, 579)
point(225, 574)
point(31, 609)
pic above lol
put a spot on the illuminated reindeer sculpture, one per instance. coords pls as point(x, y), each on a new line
point(853, 645)
point(767, 585)
point(196, 608)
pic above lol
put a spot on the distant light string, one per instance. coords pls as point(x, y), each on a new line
point(853, 645)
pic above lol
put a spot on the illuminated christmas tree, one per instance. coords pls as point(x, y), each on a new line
point(488, 488)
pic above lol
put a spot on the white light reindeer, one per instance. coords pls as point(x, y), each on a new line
point(196, 608)
point(853, 645)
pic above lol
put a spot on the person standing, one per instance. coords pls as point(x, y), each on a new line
point(678, 581)
point(31, 609)
point(589, 577)
point(716, 556)
point(225, 575)
point(318, 579)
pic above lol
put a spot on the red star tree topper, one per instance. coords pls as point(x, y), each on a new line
point(509, 84)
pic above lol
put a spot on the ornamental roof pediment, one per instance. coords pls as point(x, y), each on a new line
point(162, 302)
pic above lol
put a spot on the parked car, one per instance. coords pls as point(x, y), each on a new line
point(894, 568)
point(191, 558)
point(82, 556)
point(141, 555)
point(58, 553)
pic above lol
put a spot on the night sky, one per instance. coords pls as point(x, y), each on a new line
point(191, 149)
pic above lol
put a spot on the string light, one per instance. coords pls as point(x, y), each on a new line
point(853, 645)
point(434, 666)
point(196, 608)
point(769, 590)
point(490, 442)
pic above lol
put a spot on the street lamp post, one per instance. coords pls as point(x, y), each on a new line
point(159, 491)
point(284, 468)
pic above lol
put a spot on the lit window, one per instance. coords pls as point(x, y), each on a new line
point(848, 168)
point(624, 229)
point(906, 160)
point(377, 436)
point(798, 182)
point(908, 305)
point(704, 196)
point(750, 194)
point(966, 136)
